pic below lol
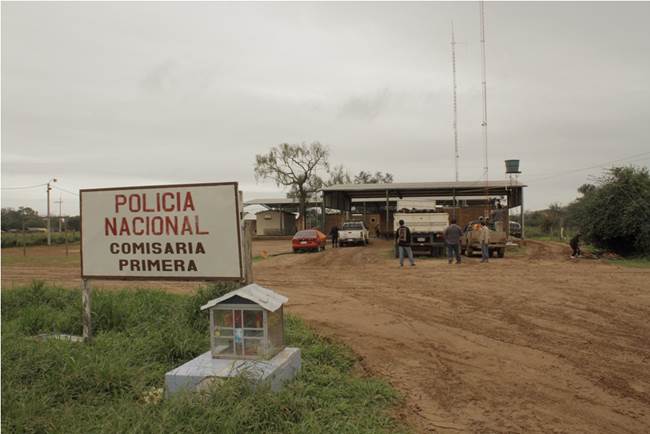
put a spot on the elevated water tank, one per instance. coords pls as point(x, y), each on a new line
point(512, 166)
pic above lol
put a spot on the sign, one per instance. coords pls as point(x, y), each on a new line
point(167, 232)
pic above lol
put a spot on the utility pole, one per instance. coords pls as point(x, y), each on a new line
point(49, 223)
point(60, 201)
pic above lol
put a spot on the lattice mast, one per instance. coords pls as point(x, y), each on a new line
point(455, 101)
point(484, 122)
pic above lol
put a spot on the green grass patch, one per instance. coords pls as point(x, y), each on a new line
point(16, 239)
point(105, 387)
point(640, 262)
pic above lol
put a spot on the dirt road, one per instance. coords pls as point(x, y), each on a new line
point(532, 343)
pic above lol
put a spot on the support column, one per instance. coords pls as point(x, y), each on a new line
point(523, 218)
point(248, 252)
point(387, 231)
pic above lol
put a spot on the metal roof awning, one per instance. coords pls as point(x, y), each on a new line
point(341, 196)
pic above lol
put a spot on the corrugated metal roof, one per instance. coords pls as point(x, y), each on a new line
point(268, 299)
point(423, 185)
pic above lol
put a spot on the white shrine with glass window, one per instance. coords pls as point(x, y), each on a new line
point(247, 323)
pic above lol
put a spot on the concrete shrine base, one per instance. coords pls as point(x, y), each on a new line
point(204, 370)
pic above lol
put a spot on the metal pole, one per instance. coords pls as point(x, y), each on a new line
point(387, 230)
point(86, 296)
point(248, 252)
point(24, 245)
point(49, 235)
point(523, 219)
point(65, 236)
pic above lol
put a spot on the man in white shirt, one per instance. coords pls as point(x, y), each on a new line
point(484, 238)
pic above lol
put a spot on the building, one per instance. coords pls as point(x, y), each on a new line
point(275, 223)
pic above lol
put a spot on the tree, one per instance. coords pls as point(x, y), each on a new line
point(364, 177)
point(338, 175)
point(614, 214)
point(13, 219)
point(296, 167)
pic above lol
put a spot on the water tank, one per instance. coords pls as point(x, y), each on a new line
point(512, 166)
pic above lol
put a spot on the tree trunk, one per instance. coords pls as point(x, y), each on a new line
point(302, 209)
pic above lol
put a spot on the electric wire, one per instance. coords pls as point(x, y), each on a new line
point(24, 187)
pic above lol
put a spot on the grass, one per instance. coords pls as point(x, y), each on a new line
point(639, 262)
point(111, 385)
point(15, 239)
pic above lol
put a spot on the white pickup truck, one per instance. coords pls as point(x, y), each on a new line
point(426, 231)
point(353, 233)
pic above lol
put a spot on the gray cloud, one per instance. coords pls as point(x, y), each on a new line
point(182, 92)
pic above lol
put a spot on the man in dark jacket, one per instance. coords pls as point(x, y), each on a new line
point(575, 246)
point(403, 238)
point(334, 233)
point(452, 236)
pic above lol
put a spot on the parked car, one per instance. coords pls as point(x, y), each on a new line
point(353, 233)
point(308, 240)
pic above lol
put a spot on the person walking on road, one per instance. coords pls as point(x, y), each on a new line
point(403, 238)
point(452, 236)
point(334, 233)
point(484, 237)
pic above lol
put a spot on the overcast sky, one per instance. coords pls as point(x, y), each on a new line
point(114, 94)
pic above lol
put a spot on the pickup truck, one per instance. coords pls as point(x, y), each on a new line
point(470, 243)
point(426, 231)
point(353, 233)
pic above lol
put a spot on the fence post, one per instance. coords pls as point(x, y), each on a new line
point(65, 235)
point(86, 296)
point(23, 238)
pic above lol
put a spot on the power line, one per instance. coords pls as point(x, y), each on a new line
point(65, 190)
point(590, 167)
point(25, 187)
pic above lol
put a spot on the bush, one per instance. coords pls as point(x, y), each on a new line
point(614, 214)
point(106, 387)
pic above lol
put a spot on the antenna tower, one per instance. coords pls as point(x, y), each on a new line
point(484, 122)
point(453, 66)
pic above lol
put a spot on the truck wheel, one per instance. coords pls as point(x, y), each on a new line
point(501, 252)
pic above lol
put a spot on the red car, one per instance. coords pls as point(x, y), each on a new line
point(309, 239)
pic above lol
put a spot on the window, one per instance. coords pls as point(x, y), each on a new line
point(238, 332)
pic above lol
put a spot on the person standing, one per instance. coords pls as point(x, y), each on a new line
point(484, 238)
point(575, 246)
point(452, 235)
point(334, 233)
point(403, 238)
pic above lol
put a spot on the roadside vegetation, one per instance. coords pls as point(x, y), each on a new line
point(115, 384)
point(15, 239)
point(611, 215)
